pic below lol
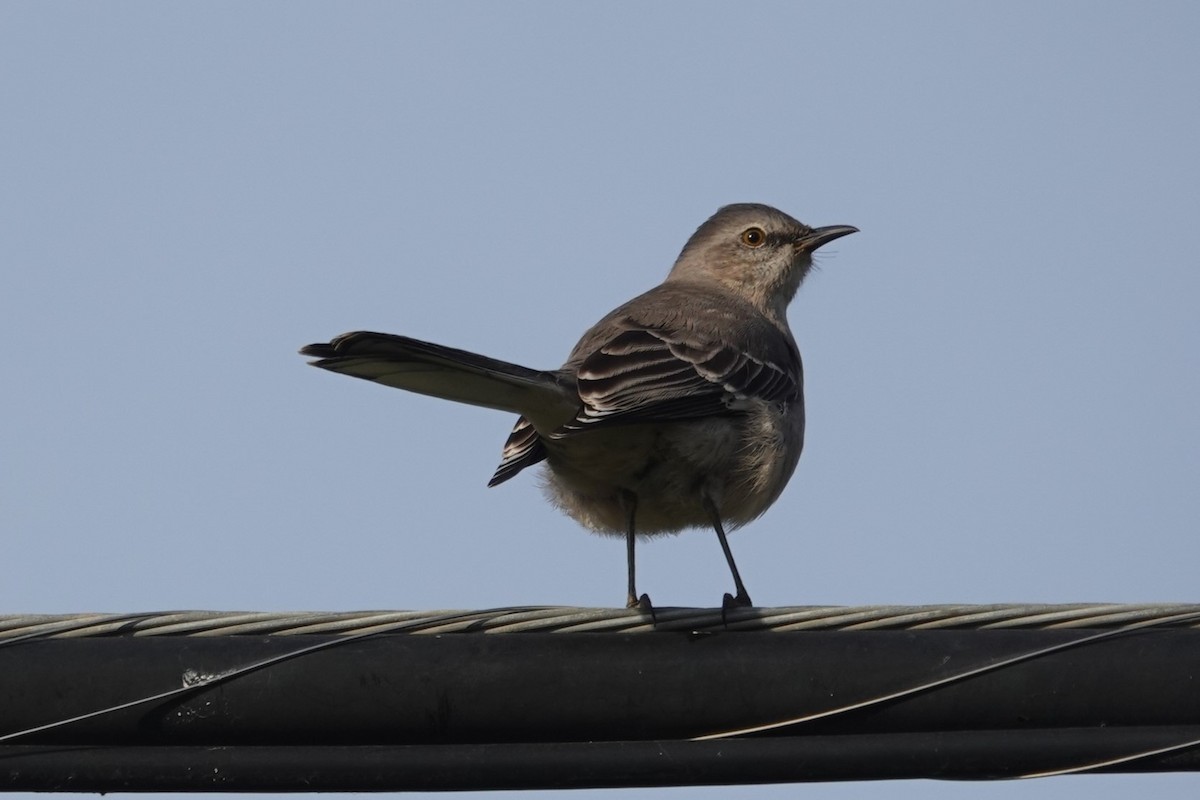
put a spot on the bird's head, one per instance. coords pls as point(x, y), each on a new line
point(756, 251)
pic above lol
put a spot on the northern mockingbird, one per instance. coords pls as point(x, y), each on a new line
point(683, 408)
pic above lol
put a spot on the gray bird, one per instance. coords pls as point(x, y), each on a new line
point(683, 408)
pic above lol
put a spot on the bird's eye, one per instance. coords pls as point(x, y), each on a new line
point(754, 237)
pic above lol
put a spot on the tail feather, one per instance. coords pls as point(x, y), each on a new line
point(448, 373)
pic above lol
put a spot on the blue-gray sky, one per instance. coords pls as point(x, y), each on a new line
point(1002, 366)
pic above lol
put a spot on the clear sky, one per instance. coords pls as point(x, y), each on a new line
point(1002, 367)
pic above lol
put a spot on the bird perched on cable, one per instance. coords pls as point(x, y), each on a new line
point(683, 408)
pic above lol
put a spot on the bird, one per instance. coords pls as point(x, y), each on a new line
point(682, 408)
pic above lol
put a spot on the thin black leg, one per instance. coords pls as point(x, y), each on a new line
point(629, 501)
point(742, 598)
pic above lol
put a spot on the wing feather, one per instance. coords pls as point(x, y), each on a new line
point(645, 374)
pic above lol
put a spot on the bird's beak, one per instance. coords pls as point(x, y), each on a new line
point(819, 237)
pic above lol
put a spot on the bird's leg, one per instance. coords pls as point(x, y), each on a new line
point(742, 598)
point(629, 503)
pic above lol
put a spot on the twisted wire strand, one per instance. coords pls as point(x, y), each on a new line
point(1099, 621)
point(566, 619)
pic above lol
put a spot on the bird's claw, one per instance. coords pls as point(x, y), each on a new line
point(741, 601)
point(642, 604)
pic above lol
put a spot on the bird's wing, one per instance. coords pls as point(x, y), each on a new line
point(630, 372)
point(646, 373)
point(524, 448)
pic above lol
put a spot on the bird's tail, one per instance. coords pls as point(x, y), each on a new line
point(448, 373)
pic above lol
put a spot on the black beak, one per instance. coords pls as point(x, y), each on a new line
point(819, 237)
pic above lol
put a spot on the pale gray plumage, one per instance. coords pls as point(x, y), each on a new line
point(682, 408)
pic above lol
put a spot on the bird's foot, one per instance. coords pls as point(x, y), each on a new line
point(741, 601)
point(730, 603)
point(642, 604)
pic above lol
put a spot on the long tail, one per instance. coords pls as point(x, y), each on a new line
point(448, 373)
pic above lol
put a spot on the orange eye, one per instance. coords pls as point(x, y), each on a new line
point(754, 237)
